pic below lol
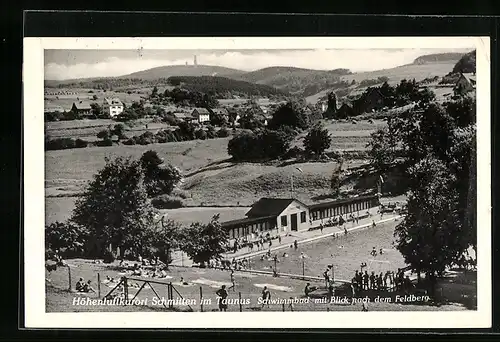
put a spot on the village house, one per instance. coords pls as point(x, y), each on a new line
point(82, 108)
point(181, 116)
point(222, 112)
point(466, 82)
point(112, 106)
point(373, 100)
point(345, 111)
point(201, 115)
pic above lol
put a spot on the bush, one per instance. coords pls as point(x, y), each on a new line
point(79, 143)
point(200, 134)
point(59, 144)
point(294, 152)
point(105, 142)
point(167, 202)
point(104, 134)
point(130, 141)
point(317, 140)
point(180, 193)
point(108, 256)
point(223, 132)
point(211, 132)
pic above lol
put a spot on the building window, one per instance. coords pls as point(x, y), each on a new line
point(284, 220)
point(303, 217)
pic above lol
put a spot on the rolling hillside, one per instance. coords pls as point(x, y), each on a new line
point(183, 70)
point(395, 75)
point(294, 80)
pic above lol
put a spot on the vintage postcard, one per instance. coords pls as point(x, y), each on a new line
point(257, 182)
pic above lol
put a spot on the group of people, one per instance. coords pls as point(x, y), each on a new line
point(229, 264)
point(84, 286)
point(382, 281)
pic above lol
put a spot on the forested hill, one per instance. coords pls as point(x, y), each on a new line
point(183, 70)
point(467, 63)
point(438, 57)
point(293, 80)
point(223, 87)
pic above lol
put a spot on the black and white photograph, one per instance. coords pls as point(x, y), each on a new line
point(266, 177)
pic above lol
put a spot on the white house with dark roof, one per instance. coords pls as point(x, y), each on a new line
point(283, 215)
point(467, 82)
point(201, 115)
point(112, 106)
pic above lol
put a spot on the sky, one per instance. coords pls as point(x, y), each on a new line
point(71, 64)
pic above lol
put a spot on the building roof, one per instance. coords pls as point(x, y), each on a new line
point(471, 77)
point(270, 207)
point(246, 221)
point(201, 110)
point(84, 105)
point(113, 101)
point(53, 109)
point(181, 115)
point(222, 111)
point(332, 204)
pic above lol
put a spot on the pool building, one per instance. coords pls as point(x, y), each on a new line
point(283, 215)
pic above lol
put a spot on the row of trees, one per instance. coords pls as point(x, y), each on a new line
point(436, 148)
point(115, 211)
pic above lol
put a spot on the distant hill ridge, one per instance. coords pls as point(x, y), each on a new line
point(183, 70)
point(439, 57)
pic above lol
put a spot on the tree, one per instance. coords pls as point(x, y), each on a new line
point(114, 208)
point(66, 238)
point(97, 110)
point(203, 242)
point(243, 146)
point(159, 178)
point(104, 134)
point(162, 239)
point(317, 140)
point(430, 237)
point(332, 102)
point(119, 131)
point(154, 92)
point(381, 149)
point(336, 178)
point(273, 143)
point(289, 114)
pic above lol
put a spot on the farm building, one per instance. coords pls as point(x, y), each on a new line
point(222, 112)
point(201, 115)
point(183, 116)
point(288, 214)
point(112, 106)
point(82, 108)
point(344, 112)
point(373, 100)
point(467, 82)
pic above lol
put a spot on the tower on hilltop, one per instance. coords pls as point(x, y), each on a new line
point(195, 61)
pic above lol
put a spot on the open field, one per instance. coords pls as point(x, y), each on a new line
point(409, 72)
point(80, 94)
point(250, 284)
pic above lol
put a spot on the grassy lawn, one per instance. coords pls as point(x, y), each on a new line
point(409, 72)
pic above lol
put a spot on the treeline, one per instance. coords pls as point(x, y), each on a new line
point(105, 83)
point(223, 87)
point(108, 137)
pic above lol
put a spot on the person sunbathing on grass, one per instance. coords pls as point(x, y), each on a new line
point(79, 284)
point(87, 287)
